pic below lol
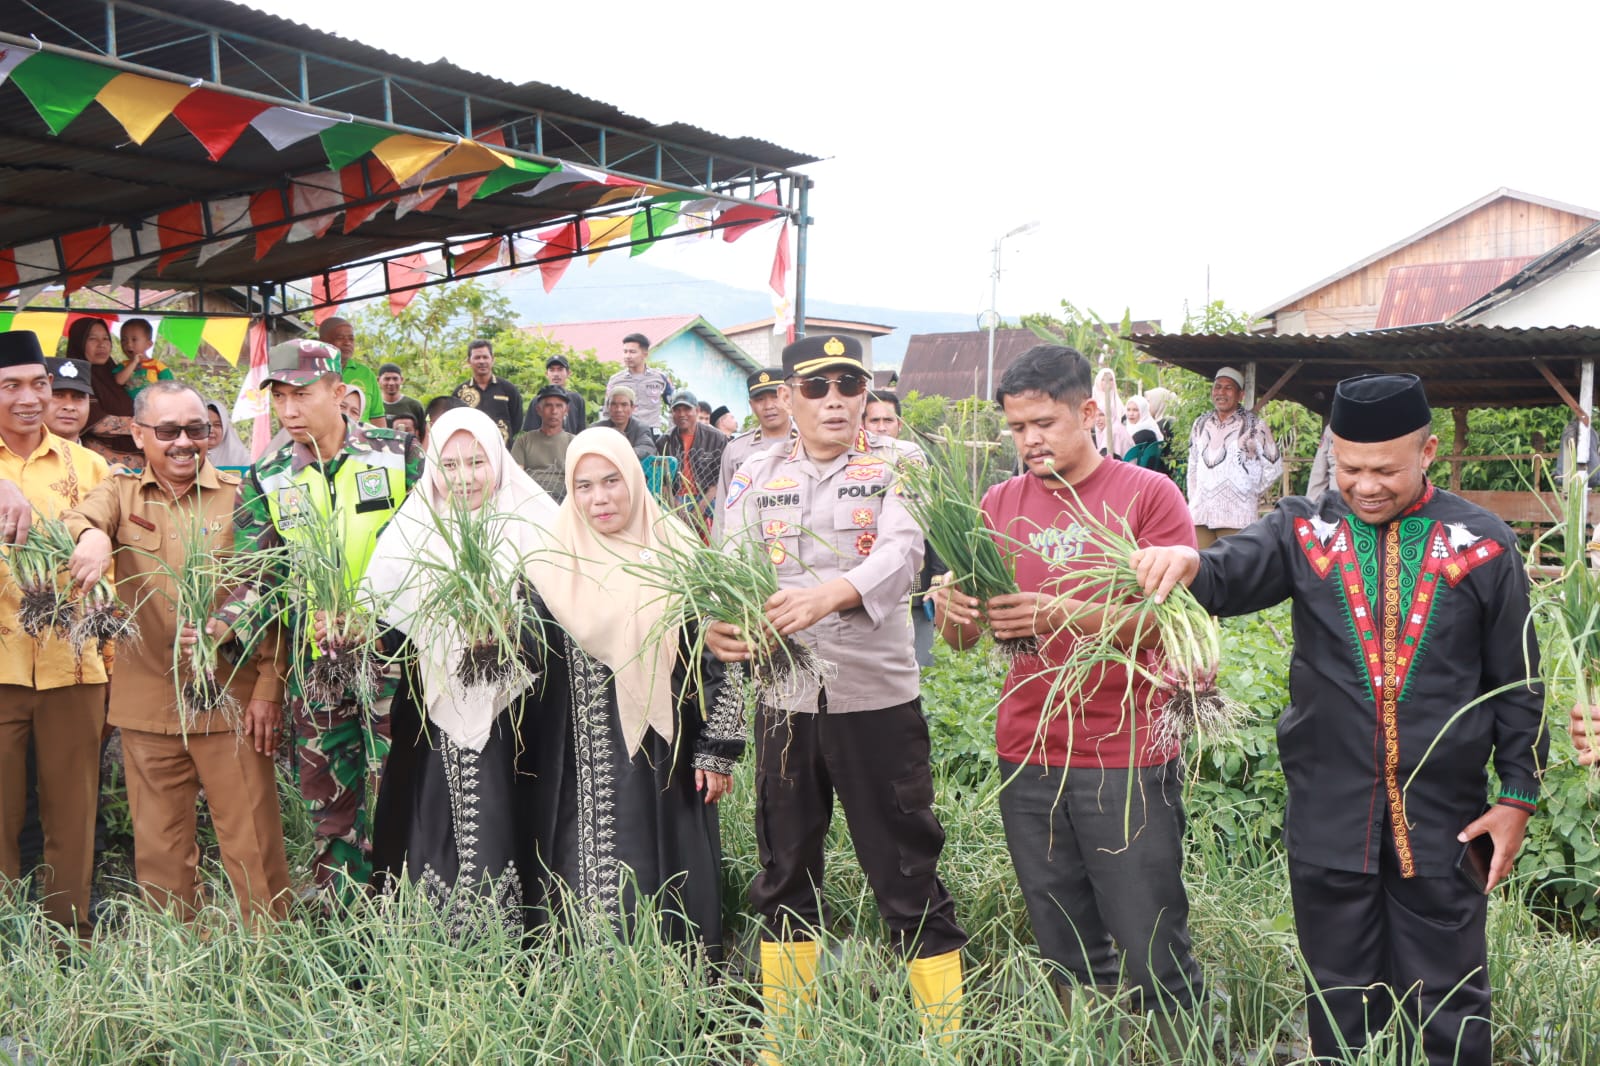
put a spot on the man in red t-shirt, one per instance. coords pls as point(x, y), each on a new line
point(1092, 810)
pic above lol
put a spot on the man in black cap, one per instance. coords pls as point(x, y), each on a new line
point(1414, 667)
point(558, 371)
point(395, 403)
point(542, 449)
point(769, 402)
point(698, 449)
point(70, 392)
point(827, 511)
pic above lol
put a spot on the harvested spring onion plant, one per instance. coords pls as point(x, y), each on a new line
point(36, 567)
point(345, 663)
point(731, 584)
point(944, 496)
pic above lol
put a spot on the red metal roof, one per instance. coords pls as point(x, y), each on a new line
point(1424, 293)
point(953, 365)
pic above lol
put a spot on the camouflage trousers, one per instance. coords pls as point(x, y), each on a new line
point(339, 754)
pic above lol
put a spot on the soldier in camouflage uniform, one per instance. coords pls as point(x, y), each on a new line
point(359, 486)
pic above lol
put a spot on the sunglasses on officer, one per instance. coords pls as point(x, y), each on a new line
point(815, 388)
point(169, 432)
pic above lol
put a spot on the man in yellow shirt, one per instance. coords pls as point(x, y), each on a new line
point(47, 691)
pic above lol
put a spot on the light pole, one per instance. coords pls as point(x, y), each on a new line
point(994, 294)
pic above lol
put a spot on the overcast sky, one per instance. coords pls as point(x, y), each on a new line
point(1271, 144)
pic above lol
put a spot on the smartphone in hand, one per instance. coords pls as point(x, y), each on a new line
point(1474, 859)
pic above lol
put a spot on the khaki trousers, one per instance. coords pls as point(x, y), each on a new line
point(65, 724)
point(164, 778)
point(1209, 535)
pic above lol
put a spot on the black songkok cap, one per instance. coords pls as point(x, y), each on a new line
point(20, 347)
point(1379, 407)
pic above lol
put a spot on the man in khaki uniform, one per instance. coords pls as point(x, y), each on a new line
point(148, 518)
point(48, 692)
point(826, 507)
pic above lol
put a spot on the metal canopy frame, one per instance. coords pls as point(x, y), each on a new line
point(229, 48)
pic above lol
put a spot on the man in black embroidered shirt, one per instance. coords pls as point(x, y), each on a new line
point(1414, 669)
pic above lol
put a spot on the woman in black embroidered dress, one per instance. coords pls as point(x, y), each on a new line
point(628, 785)
point(454, 812)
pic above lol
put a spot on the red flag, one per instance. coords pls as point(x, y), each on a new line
point(261, 428)
point(216, 119)
point(779, 277)
point(376, 177)
point(266, 208)
point(83, 254)
point(328, 290)
point(749, 216)
point(176, 226)
point(560, 244)
point(8, 271)
point(404, 275)
point(479, 255)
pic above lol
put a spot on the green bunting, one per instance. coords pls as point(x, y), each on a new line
point(520, 172)
point(59, 87)
point(349, 141)
point(182, 333)
point(650, 224)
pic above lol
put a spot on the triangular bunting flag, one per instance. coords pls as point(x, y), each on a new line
point(316, 198)
point(560, 244)
point(11, 56)
point(650, 224)
point(284, 126)
point(36, 265)
point(217, 119)
point(48, 326)
point(602, 231)
point(267, 215)
point(227, 216)
point(466, 190)
point(421, 200)
point(8, 272)
point(404, 154)
point(467, 157)
point(518, 172)
point(348, 141)
point(328, 292)
point(356, 179)
point(403, 275)
point(59, 87)
point(477, 256)
point(140, 104)
point(226, 335)
point(183, 333)
point(84, 254)
point(573, 174)
point(125, 253)
point(749, 215)
point(178, 226)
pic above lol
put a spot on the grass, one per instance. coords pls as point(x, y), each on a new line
point(386, 985)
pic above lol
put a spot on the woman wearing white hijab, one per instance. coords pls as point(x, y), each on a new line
point(651, 737)
point(453, 809)
point(1149, 446)
point(1112, 439)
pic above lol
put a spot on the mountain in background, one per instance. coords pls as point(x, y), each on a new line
point(623, 288)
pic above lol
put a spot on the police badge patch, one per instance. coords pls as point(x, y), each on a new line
point(293, 507)
point(372, 485)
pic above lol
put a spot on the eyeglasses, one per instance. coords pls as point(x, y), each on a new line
point(815, 388)
point(168, 432)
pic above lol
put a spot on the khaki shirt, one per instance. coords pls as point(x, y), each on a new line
point(147, 529)
point(843, 518)
point(741, 446)
point(58, 475)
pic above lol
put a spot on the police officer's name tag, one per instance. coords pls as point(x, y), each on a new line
point(372, 485)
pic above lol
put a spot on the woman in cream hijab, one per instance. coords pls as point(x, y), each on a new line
point(457, 786)
point(651, 738)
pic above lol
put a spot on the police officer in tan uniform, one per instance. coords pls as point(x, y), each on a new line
point(827, 509)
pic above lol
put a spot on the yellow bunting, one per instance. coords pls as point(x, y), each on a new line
point(468, 157)
point(405, 153)
point(226, 335)
point(602, 231)
point(48, 326)
point(139, 103)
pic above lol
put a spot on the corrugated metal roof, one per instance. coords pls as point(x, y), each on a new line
point(1572, 250)
point(953, 365)
point(1461, 366)
point(1424, 293)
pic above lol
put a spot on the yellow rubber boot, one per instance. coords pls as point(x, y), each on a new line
point(788, 971)
point(936, 990)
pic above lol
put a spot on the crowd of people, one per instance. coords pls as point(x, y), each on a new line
point(579, 774)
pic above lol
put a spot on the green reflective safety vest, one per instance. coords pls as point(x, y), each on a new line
point(357, 503)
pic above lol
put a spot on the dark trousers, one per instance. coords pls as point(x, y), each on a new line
point(1099, 859)
point(877, 764)
point(1371, 940)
